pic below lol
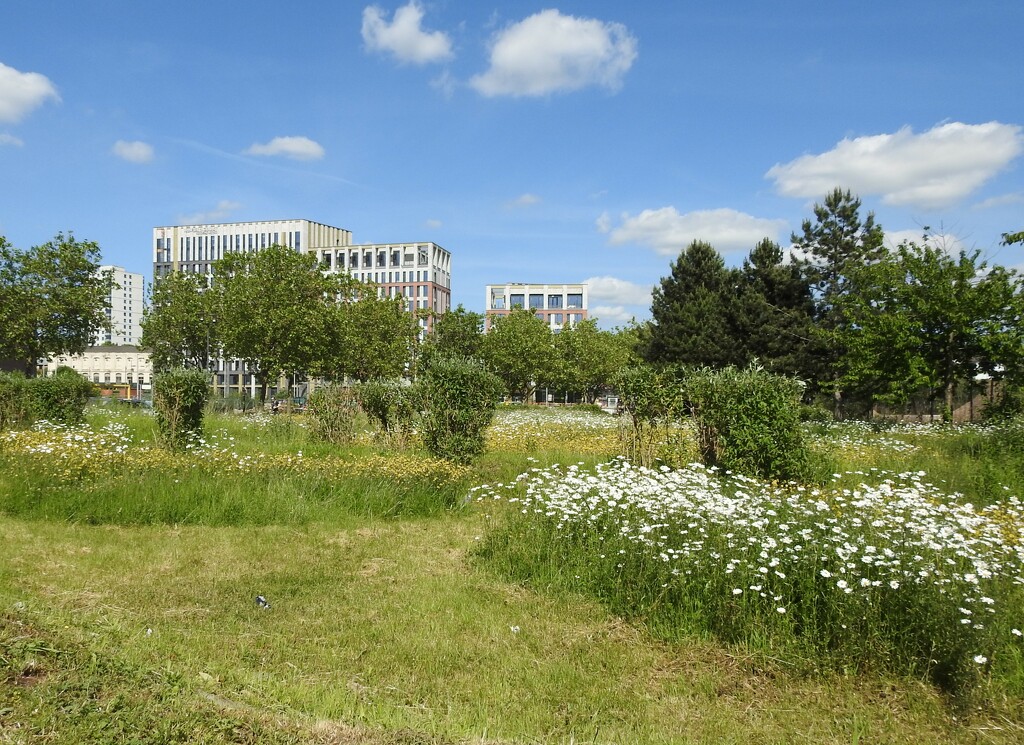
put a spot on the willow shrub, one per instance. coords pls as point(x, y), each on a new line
point(748, 421)
point(179, 398)
point(458, 397)
point(390, 405)
point(333, 414)
point(652, 407)
point(61, 397)
point(15, 410)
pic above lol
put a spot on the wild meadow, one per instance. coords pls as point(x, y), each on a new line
point(550, 592)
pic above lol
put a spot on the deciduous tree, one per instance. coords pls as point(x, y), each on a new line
point(53, 299)
point(181, 328)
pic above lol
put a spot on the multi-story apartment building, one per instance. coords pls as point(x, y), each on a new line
point(419, 272)
point(125, 309)
point(556, 305)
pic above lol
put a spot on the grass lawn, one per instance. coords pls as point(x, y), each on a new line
point(382, 628)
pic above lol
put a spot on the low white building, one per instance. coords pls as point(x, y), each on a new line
point(125, 370)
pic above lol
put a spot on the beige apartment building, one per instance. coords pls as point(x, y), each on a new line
point(558, 305)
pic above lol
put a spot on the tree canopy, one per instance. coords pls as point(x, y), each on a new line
point(53, 299)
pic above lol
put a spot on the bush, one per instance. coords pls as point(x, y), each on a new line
point(15, 406)
point(179, 397)
point(652, 408)
point(458, 397)
point(333, 412)
point(390, 405)
point(61, 397)
point(748, 421)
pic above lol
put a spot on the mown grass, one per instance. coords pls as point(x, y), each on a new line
point(385, 626)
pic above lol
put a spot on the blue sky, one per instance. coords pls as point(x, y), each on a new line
point(537, 142)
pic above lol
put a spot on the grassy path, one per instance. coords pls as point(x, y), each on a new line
point(378, 632)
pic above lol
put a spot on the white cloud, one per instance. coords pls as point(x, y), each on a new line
point(930, 170)
point(404, 37)
point(21, 92)
point(947, 242)
point(296, 148)
point(524, 200)
point(615, 291)
point(223, 210)
point(1003, 200)
point(611, 314)
point(6, 139)
point(551, 53)
point(434, 223)
point(668, 232)
point(133, 152)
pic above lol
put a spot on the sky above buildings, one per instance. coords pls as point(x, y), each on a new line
point(538, 142)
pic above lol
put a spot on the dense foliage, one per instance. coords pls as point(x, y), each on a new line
point(179, 397)
point(53, 299)
point(458, 397)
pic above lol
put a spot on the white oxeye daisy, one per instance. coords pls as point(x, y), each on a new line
point(737, 591)
point(980, 659)
point(1016, 632)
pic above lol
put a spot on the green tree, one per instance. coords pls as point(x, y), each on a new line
point(518, 349)
point(693, 310)
point(53, 299)
point(775, 313)
point(830, 249)
point(275, 310)
point(924, 318)
point(457, 333)
point(588, 359)
point(369, 337)
point(181, 327)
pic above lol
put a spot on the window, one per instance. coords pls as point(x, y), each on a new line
point(353, 260)
point(497, 302)
point(298, 239)
point(327, 260)
point(554, 301)
point(517, 301)
point(536, 301)
point(382, 258)
point(367, 260)
point(396, 257)
point(575, 317)
point(575, 300)
point(556, 318)
point(424, 257)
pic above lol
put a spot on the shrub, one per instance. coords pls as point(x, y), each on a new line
point(458, 397)
point(333, 413)
point(15, 409)
point(651, 403)
point(748, 421)
point(61, 397)
point(390, 405)
point(179, 397)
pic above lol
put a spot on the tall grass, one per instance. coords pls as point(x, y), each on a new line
point(896, 577)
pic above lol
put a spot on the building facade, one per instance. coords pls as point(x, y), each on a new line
point(124, 370)
point(418, 272)
point(557, 305)
point(125, 308)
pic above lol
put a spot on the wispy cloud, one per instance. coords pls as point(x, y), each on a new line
point(6, 139)
point(615, 291)
point(296, 148)
point(220, 213)
point(930, 170)
point(1003, 200)
point(433, 224)
point(22, 92)
point(549, 52)
point(523, 200)
point(404, 38)
point(134, 152)
point(668, 232)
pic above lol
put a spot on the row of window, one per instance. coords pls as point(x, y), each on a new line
point(213, 247)
point(398, 257)
point(536, 301)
